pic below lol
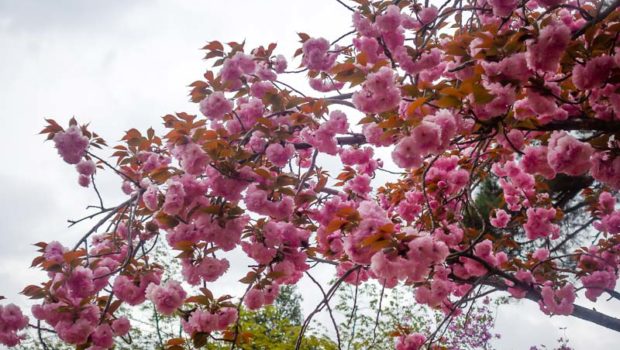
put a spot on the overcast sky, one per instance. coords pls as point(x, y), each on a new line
point(119, 64)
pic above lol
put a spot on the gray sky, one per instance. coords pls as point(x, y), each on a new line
point(119, 64)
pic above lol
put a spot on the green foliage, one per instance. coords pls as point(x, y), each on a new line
point(276, 327)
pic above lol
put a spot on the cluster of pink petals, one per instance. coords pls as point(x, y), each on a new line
point(11, 321)
point(410, 342)
point(216, 106)
point(524, 277)
point(535, 162)
point(235, 68)
point(203, 321)
point(71, 144)
point(503, 8)
point(517, 185)
point(193, 158)
point(316, 55)
point(545, 52)
point(605, 168)
point(325, 85)
point(598, 282)
point(166, 297)
point(257, 298)
point(258, 201)
point(539, 223)
point(379, 92)
point(324, 138)
point(208, 269)
point(432, 136)
point(501, 219)
point(134, 292)
point(559, 301)
point(568, 155)
point(593, 73)
point(279, 155)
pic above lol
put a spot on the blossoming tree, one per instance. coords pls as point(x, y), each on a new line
point(521, 94)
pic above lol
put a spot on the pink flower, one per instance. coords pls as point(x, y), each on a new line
point(428, 14)
point(209, 269)
point(200, 321)
point(539, 223)
point(593, 74)
point(501, 219)
point(359, 185)
point(193, 158)
point(525, 276)
point(606, 169)
point(568, 155)
point(503, 8)
point(167, 297)
point(406, 154)
point(379, 92)
point(323, 85)
point(74, 332)
point(427, 137)
point(598, 282)
point(71, 144)
point(103, 336)
point(225, 317)
point(541, 254)
point(364, 26)
point(127, 291)
point(254, 299)
point(121, 326)
point(279, 64)
point(316, 55)
point(545, 53)
point(534, 161)
point(175, 197)
point(235, 67)
point(370, 47)
point(215, 106)
point(86, 167)
point(11, 321)
point(279, 155)
point(84, 180)
point(80, 282)
point(54, 252)
point(559, 302)
point(410, 342)
point(151, 198)
point(389, 21)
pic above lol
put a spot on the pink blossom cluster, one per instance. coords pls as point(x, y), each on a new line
point(11, 321)
point(559, 301)
point(258, 201)
point(204, 321)
point(540, 223)
point(316, 55)
point(257, 298)
point(517, 185)
point(431, 137)
point(413, 341)
point(279, 155)
point(71, 144)
point(166, 297)
point(216, 106)
point(233, 70)
point(379, 92)
point(324, 138)
point(544, 53)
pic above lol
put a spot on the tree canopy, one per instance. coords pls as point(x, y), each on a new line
point(498, 122)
